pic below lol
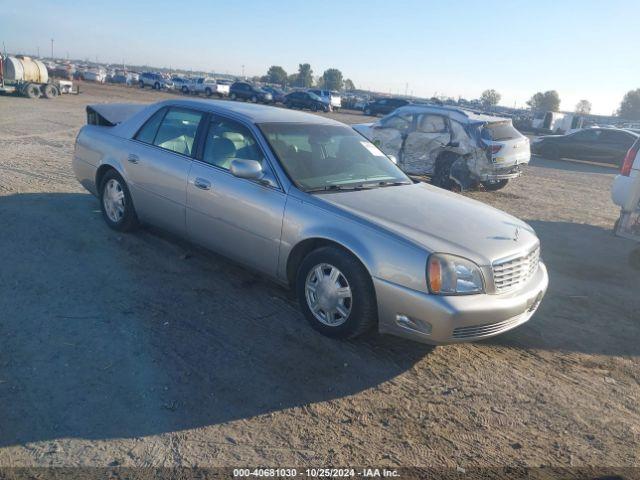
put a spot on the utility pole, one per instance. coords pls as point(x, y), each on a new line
point(38, 51)
point(52, 48)
point(242, 71)
point(406, 88)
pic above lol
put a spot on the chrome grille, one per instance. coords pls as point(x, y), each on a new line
point(483, 330)
point(509, 274)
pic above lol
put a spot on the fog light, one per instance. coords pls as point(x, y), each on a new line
point(406, 322)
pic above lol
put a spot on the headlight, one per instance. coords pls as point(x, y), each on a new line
point(452, 275)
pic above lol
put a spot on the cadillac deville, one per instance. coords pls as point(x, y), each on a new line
point(314, 205)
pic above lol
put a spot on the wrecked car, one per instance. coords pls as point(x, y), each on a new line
point(451, 146)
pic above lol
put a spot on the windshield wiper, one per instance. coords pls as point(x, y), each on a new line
point(392, 183)
point(332, 188)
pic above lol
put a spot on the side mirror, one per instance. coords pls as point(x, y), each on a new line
point(249, 169)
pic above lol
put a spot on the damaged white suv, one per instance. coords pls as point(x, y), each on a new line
point(451, 146)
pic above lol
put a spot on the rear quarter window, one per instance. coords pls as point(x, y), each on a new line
point(499, 132)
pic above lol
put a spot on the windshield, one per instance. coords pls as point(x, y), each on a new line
point(314, 96)
point(325, 157)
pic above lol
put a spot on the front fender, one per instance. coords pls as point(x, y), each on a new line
point(383, 254)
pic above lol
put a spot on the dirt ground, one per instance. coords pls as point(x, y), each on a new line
point(142, 350)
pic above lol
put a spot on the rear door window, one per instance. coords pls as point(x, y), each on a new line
point(499, 132)
point(431, 124)
point(148, 131)
point(177, 131)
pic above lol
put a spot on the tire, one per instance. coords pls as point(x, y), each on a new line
point(367, 111)
point(493, 186)
point(314, 108)
point(32, 91)
point(156, 86)
point(344, 317)
point(141, 83)
point(233, 96)
point(185, 90)
point(441, 176)
point(50, 91)
point(111, 185)
point(287, 105)
point(254, 99)
point(208, 92)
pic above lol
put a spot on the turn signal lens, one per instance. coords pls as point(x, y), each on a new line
point(435, 274)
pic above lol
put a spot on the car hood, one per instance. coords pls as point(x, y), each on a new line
point(439, 221)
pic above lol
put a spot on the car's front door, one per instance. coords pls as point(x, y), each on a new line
point(582, 145)
point(389, 133)
point(236, 217)
point(157, 163)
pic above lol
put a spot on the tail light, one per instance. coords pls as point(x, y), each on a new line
point(625, 171)
point(495, 148)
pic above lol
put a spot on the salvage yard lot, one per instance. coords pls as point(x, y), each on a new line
point(143, 350)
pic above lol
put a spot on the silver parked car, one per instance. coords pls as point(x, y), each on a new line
point(311, 203)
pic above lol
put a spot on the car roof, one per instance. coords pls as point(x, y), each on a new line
point(253, 112)
point(459, 114)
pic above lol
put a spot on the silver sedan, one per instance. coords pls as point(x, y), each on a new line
point(311, 203)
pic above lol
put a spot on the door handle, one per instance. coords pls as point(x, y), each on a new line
point(201, 183)
point(133, 158)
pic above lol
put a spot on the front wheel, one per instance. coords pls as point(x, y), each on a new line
point(185, 90)
point(141, 84)
point(336, 294)
point(254, 99)
point(367, 111)
point(494, 185)
point(233, 96)
point(208, 92)
point(116, 204)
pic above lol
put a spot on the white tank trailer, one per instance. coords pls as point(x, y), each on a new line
point(28, 77)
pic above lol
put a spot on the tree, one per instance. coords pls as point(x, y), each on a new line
point(276, 74)
point(292, 79)
point(490, 98)
point(332, 79)
point(305, 75)
point(548, 101)
point(349, 85)
point(583, 107)
point(630, 106)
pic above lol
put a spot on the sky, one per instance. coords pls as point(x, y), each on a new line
point(583, 49)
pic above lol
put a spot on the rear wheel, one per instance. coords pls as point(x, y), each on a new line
point(494, 185)
point(50, 91)
point(141, 84)
point(442, 174)
point(208, 92)
point(185, 90)
point(254, 99)
point(116, 204)
point(336, 294)
point(156, 86)
point(233, 96)
point(367, 111)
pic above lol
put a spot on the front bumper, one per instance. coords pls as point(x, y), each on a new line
point(438, 319)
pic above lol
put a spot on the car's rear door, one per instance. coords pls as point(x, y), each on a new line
point(423, 144)
point(239, 218)
point(157, 163)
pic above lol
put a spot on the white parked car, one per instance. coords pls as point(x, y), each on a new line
point(209, 86)
point(333, 97)
point(625, 193)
